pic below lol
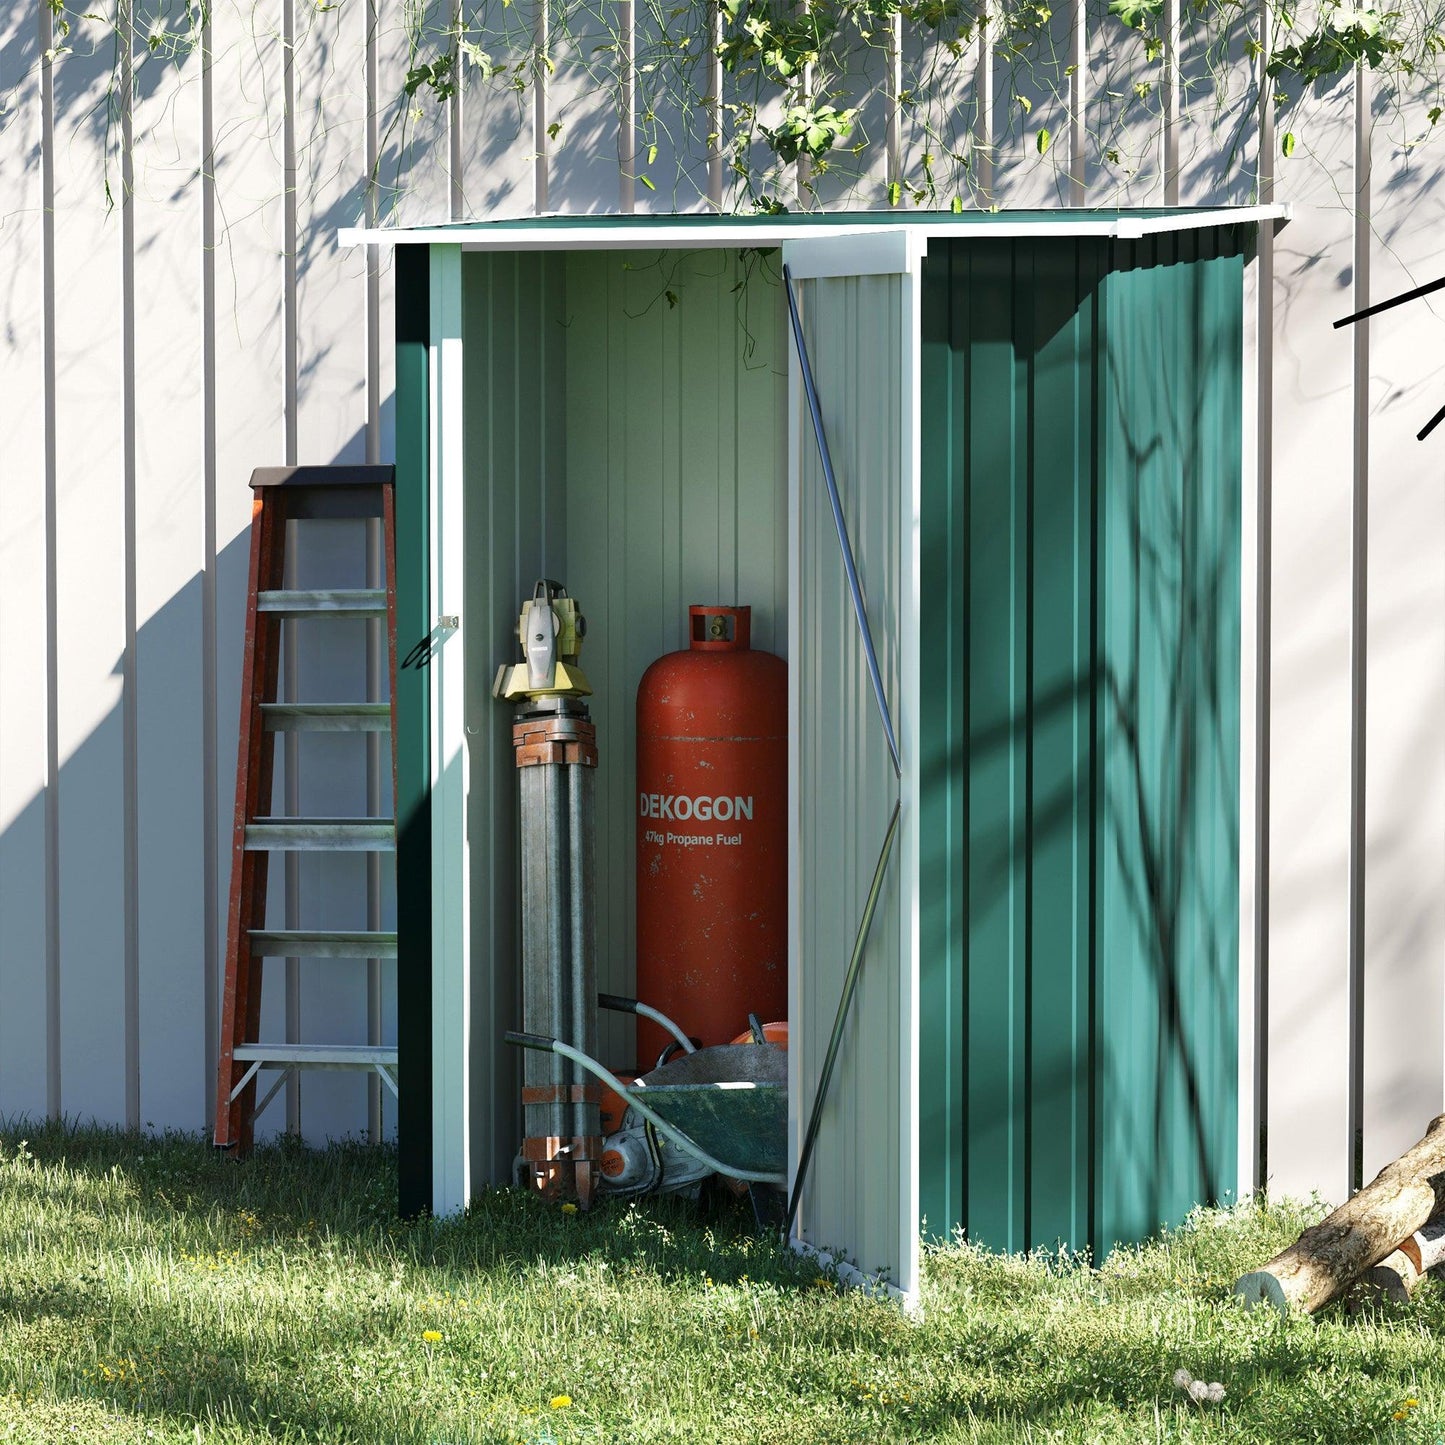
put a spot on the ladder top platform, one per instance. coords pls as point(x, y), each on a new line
point(326, 492)
point(327, 476)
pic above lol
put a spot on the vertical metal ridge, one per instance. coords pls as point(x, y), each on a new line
point(541, 141)
point(290, 340)
point(1264, 602)
point(1078, 102)
point(456, 155)
point(1171, 102)
point(1097, 462)
point(627, 108)
point(375, 643)
point(983, 118)
point(372, 142)
point(1026, 1142)
point(714, 104)
point(130, 764)
point(291, 347)
point(52, 600)
point(210, 743)
point(1359, 628)
point(894, 100)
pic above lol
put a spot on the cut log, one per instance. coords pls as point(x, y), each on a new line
point(1332, 1254)
point(1393, 1280)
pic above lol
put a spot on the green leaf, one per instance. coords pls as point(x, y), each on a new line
point(1435, 114)
point(1136, 14)
point(1041, 142)
point(894, 192)
point(651, 155)
point(646, 182)
point(1286, 144)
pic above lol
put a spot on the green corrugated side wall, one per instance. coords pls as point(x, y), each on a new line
point(1079, 911)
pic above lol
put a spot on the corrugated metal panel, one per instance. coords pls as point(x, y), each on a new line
point(1168, 733)
point(846, 786)
point(1081, 798)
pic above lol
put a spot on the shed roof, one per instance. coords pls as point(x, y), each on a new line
point(620, 232)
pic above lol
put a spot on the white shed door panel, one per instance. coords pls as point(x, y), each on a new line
point(860, 1203)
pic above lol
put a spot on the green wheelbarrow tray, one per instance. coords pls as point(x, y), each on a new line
point(728, 1104)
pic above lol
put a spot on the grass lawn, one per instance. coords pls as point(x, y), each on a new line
point(152, 1291)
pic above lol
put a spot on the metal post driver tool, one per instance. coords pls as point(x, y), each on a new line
point(556, 756)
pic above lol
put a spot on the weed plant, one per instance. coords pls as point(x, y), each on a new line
point(152, 1291)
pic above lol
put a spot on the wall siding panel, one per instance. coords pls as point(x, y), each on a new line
point(330, 425)
point(174, 1082)
point(25, 684)
point(1310, 708)
point(1404, 998)
point(91, 564)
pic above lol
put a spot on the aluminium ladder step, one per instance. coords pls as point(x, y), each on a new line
point(327, 717)
point(318, 1056)
point(366, 1058)
point(313, 943)
point(311, 602)
point(310, 835)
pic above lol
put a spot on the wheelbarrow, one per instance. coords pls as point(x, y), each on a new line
point(725, 1106)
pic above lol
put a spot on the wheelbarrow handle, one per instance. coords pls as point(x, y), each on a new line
point(531, 1041)
point(618, 1003)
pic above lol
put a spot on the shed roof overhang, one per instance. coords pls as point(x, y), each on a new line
point(602, 233)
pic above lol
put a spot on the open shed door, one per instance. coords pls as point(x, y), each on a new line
point(858, 299)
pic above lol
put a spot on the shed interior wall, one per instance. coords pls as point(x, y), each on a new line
point(626, 433)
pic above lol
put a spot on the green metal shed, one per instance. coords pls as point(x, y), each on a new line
point(1036, 425)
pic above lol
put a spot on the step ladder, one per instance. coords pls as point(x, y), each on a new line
point(282, 495)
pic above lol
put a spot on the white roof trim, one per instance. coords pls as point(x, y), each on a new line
point(664, 234)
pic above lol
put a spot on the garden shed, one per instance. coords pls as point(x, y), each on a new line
point(1035, 420)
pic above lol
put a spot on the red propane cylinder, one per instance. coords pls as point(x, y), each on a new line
point(712, 844)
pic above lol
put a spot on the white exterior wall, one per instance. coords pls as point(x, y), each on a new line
point(155, 351)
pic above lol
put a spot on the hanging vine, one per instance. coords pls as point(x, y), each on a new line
point(801, 114)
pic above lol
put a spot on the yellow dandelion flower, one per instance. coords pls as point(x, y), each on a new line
point(432, 1337)
point(1400, 1415)
point(1412, 1403)
point(561, 1402)
point(569, 1208)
